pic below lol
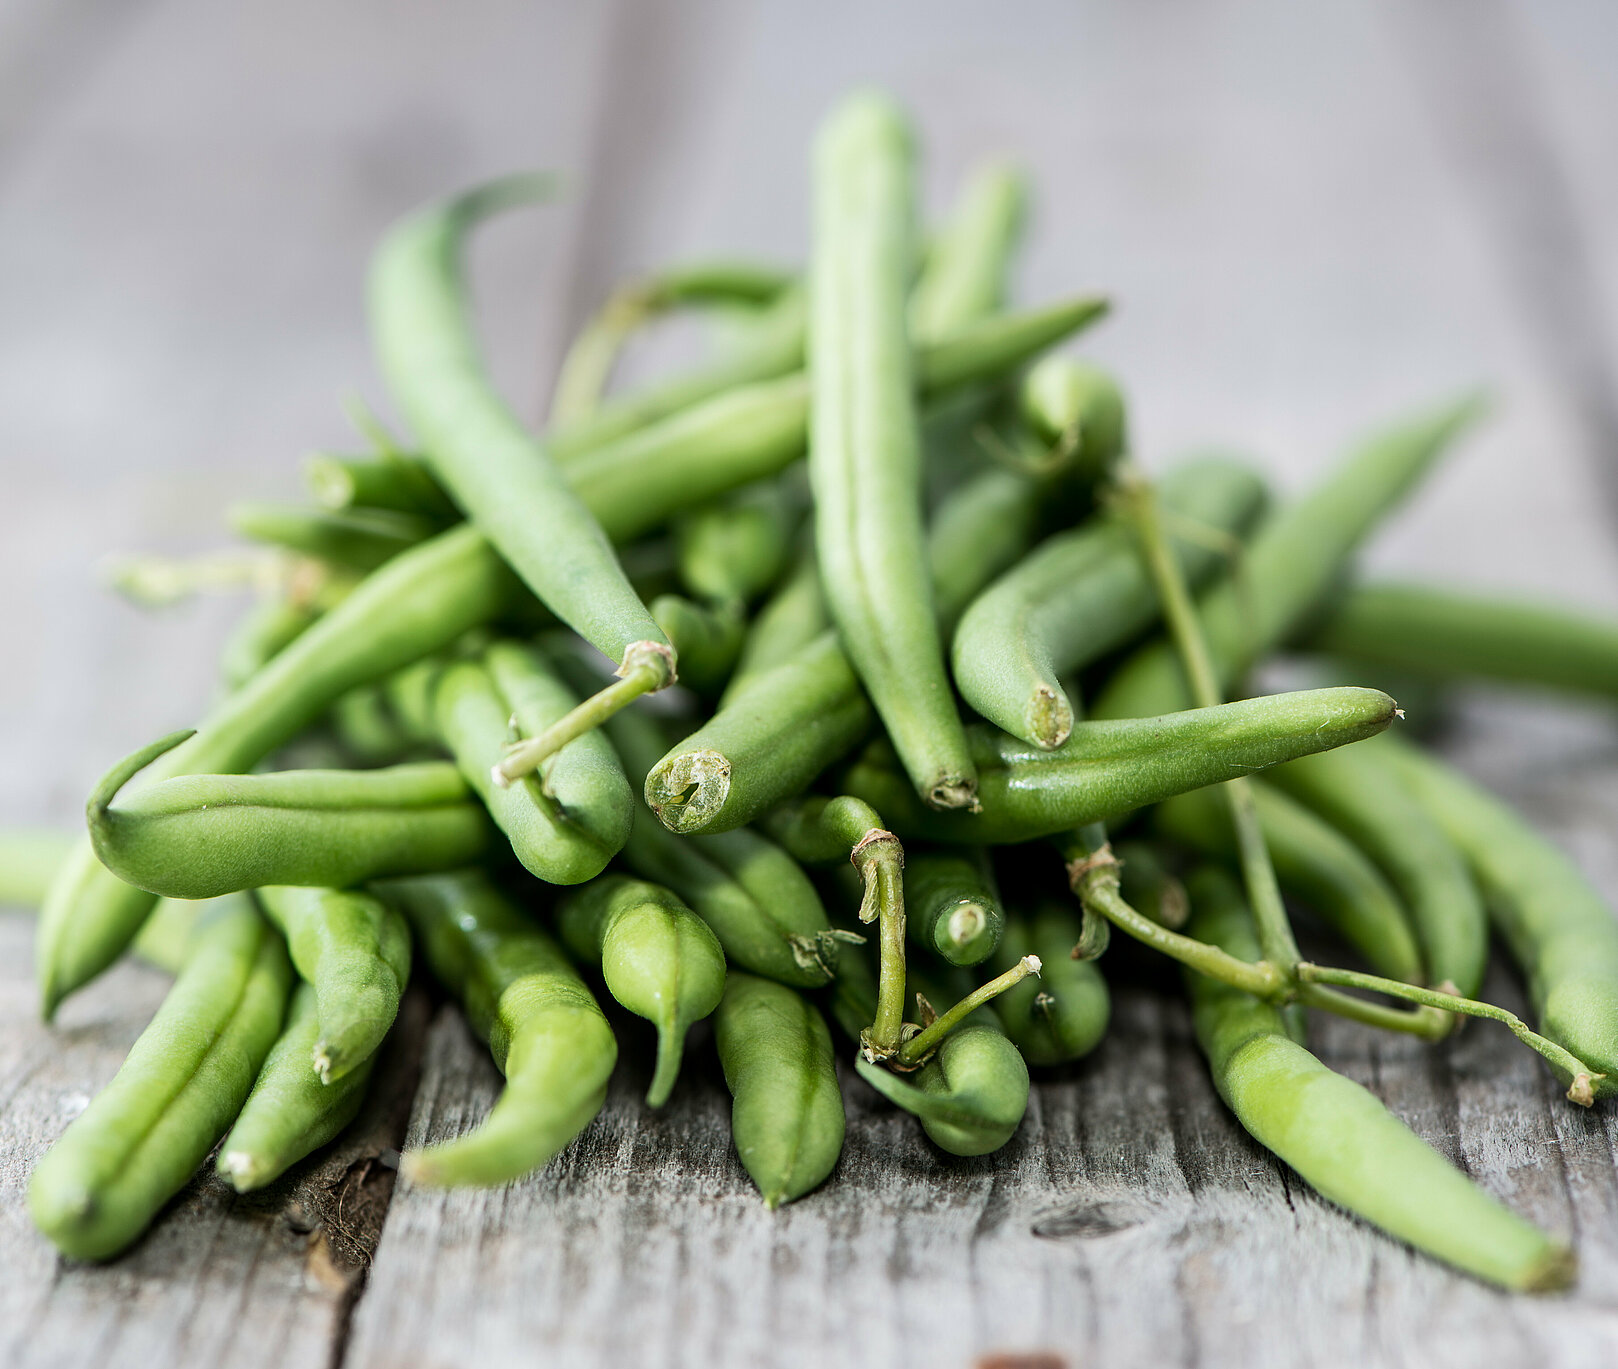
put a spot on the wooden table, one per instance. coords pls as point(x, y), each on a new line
point(1310, 216)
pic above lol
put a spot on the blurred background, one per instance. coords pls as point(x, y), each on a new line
point(1310, 217)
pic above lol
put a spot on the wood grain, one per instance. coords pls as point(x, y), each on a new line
point(1310, 217)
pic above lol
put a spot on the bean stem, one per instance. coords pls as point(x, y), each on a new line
point(880, 860)
point(1275, 937)
point(1583, 1078)
point(925, 1042)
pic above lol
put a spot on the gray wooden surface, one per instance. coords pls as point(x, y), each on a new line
point(1309, 215)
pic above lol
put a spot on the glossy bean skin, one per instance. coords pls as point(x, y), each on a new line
point(1107, 768)
point(485, 459)
point(1338, 1135)
point(954, 907)
point(355, 952)
point(1361, 793)
point(182, 1085)
point(970, 1097)
point(963, 277)
point(1557, 925)
point(658, 958)
point(787, 1113)
point(1062, 1014)
point(362, 539)
point(1315, 863)
point(1082, 594)
point(520, 994)
point(756, 431)
point(201, 836)
point(290, 1113)
point(1446, 634)
point(417, 604)
point(779, 731)
point(865, 444)
point(1291, 565)
point(565, 828)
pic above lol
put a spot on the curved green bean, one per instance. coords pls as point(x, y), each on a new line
point(520, 994)
point(1338, 1136)
point(1107, 768)
point(290, 1113)
point(200, 836)
point(658, 958)
point(184, 1081)
point(970, 1097)
point(355, 952)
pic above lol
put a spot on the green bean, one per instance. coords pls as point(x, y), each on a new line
point(733, 550)
point(970, 1097)
point(1558, 927)
point(1076, 407)
point(964, 276)
point(787, 1117)
point(271, 624)
point(1448, 634)
point(566, 830)
point(954, 906)
point(1082, 594)
point(1062, 1015)
point(1107, 768)
point(418, 603)
point(755, 431)
point(290, 1113)
point(505, 480)
point(545, 1031)
point(1148, 884)
point(1293, 561)
point(355, 951)
point(780, 730)
point(1338, 1136)
point(588, 365)
point(29, 860)
point(174, 1096)
point(201, 836)
point(786, 623)
point(865, 447)
point(1361, 793)
point(1316, 864)
point(365, 727)
point(393, 480)
point(167, 936)
point(658, 958)
point(708, 639)
point(361, 538)
point(775, 349)
point(411, 696)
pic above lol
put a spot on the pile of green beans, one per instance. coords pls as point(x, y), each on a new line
point(885, 507)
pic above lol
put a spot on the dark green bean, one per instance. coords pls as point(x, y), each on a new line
point(566, 830)
point(200, 836)
point(290, 1113)
point(361, 538)
point(355, 952)
point(175, 1095)
point(1360, 792)
point(1293, 562)
point(545, 1031)
point(1448, 634)
point(1107, 768)
point(658, 958)
point(787, 1117)
point(953, 904)
point(1147, 883)
point(1083, 594)
point(865, 445)
point(1338, 1136)
point(1061, 1015)
point(1315, 864)
point(1557, 925)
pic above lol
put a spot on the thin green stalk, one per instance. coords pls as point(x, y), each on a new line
point(880, 861)
point(1580, 1091)
point(1422, 1022)
point(1263, 891)
point(916, 1050)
